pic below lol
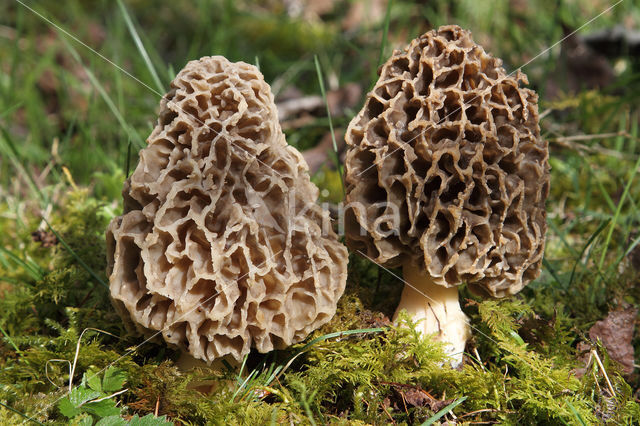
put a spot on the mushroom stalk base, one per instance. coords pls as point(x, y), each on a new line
point(437, 309)
point(186, 363)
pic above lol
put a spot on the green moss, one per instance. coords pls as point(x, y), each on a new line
point(524, 374)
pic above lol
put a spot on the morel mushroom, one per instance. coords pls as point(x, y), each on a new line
point(447, 176)
point(221, 246)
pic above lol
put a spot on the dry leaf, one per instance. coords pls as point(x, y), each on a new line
point(616, 333)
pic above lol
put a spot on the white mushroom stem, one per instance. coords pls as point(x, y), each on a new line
point(436, 309)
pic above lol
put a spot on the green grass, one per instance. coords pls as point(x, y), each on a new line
point(64, 106)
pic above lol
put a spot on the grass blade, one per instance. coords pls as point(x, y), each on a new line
point(239, 375)
point(618, 210)
point(11, 109)
point(140, 46)
point(552, 271)
point(244, 384)
point(10, 340)
point(431, 420)
point(31, 268)
point(602, 226)
point(333, 136)
point(105, 96)
point(606, 196)
point(8, 147)
point(385, 33)
point(628, 251)
point(563, 237)
point(576, 414)
point(9, 280)
point(21, 414)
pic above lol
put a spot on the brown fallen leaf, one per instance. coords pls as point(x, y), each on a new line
point(536, 330)
point(415, 396)
point(616, 333)
point(374, 319)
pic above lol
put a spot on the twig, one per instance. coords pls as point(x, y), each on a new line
point(484, 410)
point(386, 412)
point(594, 136)
point(544, 113)
point(570, 142)
point(404, 402)
point(604, 372)
point(475, 351)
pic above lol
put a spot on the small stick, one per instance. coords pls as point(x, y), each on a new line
point(385, 411)
point(484, 410)
point(544, 113)
point(604, 372)
point(475, 351)
point(591, 137)
point(595, 379)
point(404, 402)
point(571, 143)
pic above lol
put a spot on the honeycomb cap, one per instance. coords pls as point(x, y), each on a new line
point(221, 246)
point(446, 167)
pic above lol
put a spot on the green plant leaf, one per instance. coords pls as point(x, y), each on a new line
point(149, 420)
point(70, 406)
point(114, 379)
point(85, 421)
point(104, 408)
point(93, 380)
point(111, 421)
